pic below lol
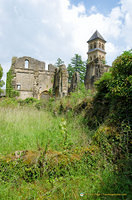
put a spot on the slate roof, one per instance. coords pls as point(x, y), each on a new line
point(95, 36)
point(91, 50)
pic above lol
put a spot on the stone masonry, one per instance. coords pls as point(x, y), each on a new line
point(94, 70)
point(74, 82)
point(60, 87)
point(96, 60)
point(30, 77)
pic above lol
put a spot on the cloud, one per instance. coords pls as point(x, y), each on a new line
point(50, 29)
point(93, 9)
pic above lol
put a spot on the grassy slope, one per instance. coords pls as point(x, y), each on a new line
point(26, 128)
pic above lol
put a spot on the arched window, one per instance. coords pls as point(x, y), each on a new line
point(26, 64)
point(95, 45)
point(91, 46)
point(94, 57)
point(90, 57)
point(102, 46)
point(18, 87)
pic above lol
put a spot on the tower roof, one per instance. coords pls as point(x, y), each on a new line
point(96, 35)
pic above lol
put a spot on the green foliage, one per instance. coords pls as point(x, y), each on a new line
point(27, 101)
point(72, 103)
point(121, 85)
point(10, 92)
point(8, 102)
point(77, 65)
point(115, 88)
point(102, 85)
point(59, 62)
point(1, 81)
point(63, 128)
point(66, 158)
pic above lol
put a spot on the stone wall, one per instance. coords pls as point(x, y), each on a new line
point(74, 82)
point(94, 70)
point(30, 77)
point(32, 80)
point(60, 87)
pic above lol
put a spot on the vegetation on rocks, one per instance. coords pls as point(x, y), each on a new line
point(1, 81)
point(10, 91)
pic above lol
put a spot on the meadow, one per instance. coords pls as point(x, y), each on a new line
point(75, 166)
point(27, 128)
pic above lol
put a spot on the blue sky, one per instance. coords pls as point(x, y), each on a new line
point(48, 29)
point(103, 6)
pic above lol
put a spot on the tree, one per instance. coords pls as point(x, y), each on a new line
point(116, 88)
point(77, 65)
point(59, 62)
point(1, 81)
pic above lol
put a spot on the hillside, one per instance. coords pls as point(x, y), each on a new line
point(78, 147)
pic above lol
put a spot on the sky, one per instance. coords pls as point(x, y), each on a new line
point(51, 29)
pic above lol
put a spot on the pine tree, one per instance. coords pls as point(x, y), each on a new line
point(77, 65)
point(59, 62)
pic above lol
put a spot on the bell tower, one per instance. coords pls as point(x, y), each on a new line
point(96, 47)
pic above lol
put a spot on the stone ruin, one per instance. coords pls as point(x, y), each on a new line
point(94, 70)
point(31, 78)
point(74, 82)
point(60, 86)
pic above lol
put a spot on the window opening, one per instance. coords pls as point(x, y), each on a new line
point(18, 87)
point(95, 45)
point(26, 64)
point(91, 46)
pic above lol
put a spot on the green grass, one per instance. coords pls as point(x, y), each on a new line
point(29, 129)
point(26, 128)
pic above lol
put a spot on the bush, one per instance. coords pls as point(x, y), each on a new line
point(115, 90)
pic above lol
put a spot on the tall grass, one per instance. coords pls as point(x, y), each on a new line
point(27, 128)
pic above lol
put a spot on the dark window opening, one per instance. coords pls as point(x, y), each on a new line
point(91, 46)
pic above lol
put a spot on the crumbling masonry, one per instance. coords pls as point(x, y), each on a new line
point(31, 78)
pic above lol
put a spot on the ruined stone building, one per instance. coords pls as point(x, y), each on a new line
point(74, 82)
point(31, 78)
point(60, 86)
point(96, 60)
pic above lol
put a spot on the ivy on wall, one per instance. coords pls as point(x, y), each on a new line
point(10, 91)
